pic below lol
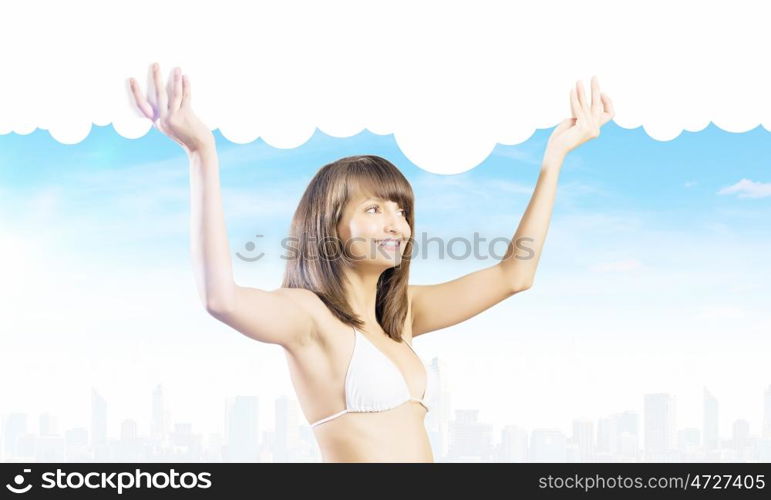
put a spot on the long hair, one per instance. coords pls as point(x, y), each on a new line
point(317, 257)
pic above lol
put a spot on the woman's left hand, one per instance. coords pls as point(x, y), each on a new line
point(586, 120)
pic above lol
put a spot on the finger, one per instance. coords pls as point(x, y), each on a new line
point(152, 95)
point(609, 108)
point(176, 94)
point(580, 93)
point(139, 100)
point(170, 90)
point(186, 95)
point(596, 103)
point(575, 106)
point(160, 94)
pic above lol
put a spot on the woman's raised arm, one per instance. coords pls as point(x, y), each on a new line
point(588, 116)
point(280, 316)
point(446, 304)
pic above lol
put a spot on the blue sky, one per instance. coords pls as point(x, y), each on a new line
point(643, 252)
point(673, 185)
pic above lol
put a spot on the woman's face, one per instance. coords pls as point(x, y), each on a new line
point(366, 222)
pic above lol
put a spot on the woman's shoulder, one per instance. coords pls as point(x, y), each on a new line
point(327, 324)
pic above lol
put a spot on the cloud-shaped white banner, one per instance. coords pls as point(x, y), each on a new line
point(448, 79)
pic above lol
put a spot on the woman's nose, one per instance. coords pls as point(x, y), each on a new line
point(392, 224)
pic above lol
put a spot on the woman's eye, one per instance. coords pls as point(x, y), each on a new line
point(404, 212)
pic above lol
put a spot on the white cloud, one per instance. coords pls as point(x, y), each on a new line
point(448, 80)
point(748, 189)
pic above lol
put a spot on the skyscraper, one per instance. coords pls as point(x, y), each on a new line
point(583, 438)
point(128, 430)
point(548, 445)
point(513, 444)
point(741, 434)
point(287, 429)
point(243, 430)
point(159, 427)
point(469, 438)
point(48, 425)
point(98, 419)
point(659, 425)
point(607, 433)
point(711, 429)
point(766, 432)
point(14, 427)
point(627, 434)
point(438, 419)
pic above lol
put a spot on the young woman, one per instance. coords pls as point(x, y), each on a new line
point(345, 309)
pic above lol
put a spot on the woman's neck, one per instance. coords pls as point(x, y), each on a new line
point(361, 293)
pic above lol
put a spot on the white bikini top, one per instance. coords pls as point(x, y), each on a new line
point(373, 382)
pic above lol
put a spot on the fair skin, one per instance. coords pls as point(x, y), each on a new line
point(366, 220)
point(317, 345)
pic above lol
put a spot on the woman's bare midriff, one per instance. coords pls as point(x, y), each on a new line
point(395, 435)
point(318, 369)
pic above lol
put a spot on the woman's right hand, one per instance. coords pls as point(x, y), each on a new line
point(170, 111)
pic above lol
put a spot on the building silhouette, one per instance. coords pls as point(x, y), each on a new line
point(659, 411)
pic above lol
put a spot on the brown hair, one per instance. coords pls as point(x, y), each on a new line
point(317, 256)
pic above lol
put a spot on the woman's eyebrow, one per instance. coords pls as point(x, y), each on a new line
point(376, 199)
point(368, 200)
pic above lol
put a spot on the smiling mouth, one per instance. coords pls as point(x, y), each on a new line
point(390, 244)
